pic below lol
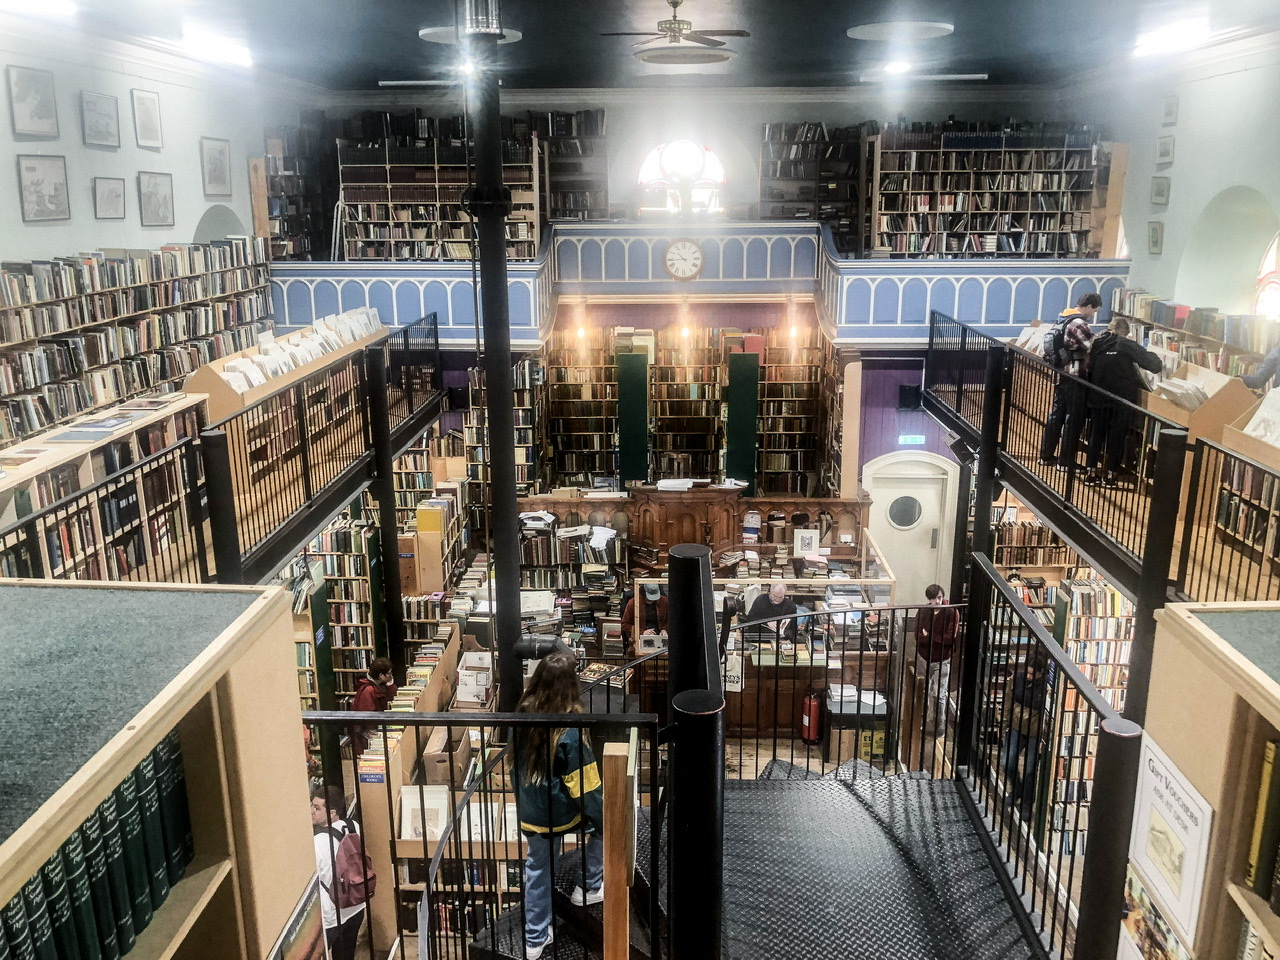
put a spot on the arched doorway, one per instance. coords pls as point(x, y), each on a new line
point(218, 223)
point(912, 517)
point(1219, 266)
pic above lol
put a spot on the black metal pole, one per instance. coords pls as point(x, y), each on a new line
point(960, 546)
point(1153, 577)
point(222, 506)
point(989, 447)
point(976, 616)
point(384, 492)
point(489, 203)
point(1115, 781)
point(690, 618)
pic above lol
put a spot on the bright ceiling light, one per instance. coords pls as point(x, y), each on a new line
point(882, 78)
point(205, 45)
point(897, 66)
point(55, 9)
point(887, 31)
point(1173, 37)
point(467, 67)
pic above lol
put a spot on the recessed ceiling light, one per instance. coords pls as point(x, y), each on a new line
point(1173, 37)
point(678, 55)
point(897, 66)
point(901, 30)
point(450, 35)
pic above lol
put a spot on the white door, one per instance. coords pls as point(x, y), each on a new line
point(913, 518)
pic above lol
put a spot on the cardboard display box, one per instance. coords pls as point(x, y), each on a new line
point(1228, 399)
point(1235, 439)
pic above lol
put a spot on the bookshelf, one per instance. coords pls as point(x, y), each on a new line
point(404, 202)
point(684, 389)
point(81, 333)
point(427, 620)
point(790, 411)
point(293, 197)
point(528, 376)
point(582, 403)
point(441, 537)
point(577, 159)
point(808, 172)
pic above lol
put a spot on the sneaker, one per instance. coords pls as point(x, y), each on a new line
point(1092, 480)
point(590, 897)
point(1110, 481)
point(1046, 461)
point(535, 953)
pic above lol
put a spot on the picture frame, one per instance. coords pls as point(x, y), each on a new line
point(33, 102)
point(1169, 111)
point(806, 543)
point(1155, 237)
point(42, 187)
point(1164, 149)
point(155, 198)
point(108, 198)
point(147, 131)
point(99, 119)
point(215, 166)
point(1160, 190)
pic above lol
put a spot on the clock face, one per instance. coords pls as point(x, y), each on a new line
point(683, 259)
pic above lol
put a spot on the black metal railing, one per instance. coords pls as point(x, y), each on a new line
point(955, 370)
point(142, 523)
point(411, 356)
point(1230, 546)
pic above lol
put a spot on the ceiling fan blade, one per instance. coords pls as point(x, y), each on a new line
point(694, 37)
point(724, 33)
point(641, 43)
point(645, 33)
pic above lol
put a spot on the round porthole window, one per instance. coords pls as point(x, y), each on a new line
point(904, 513)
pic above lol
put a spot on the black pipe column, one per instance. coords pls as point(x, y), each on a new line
point(489, 202)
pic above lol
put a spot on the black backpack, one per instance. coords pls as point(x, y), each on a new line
point(1054, 346)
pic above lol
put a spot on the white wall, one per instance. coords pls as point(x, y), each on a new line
point(1227, 138)
point(195, 102)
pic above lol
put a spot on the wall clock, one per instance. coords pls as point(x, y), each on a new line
point(683, 259)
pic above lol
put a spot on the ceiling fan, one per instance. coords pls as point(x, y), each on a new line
point(676, 30)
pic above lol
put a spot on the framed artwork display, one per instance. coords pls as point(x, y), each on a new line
point(42, 184)
point(33, 108)
point(1164, 150)
point(1169, 112)
point(806, 543)
point(1155, 237)
point(1160, 187)
point(108, 198)
point(99, 119)
point(215, 166)
point(146, 119)
point(155, 199)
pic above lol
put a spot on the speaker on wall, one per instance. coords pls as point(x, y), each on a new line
point(909, 396)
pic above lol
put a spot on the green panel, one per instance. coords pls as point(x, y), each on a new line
point(326, 699)
point(742, 398)
point(375, 594)
point(633, 417)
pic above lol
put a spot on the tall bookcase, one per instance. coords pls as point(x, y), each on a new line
point(577, 164)
point(294, 199)
point(582, 403)
point(831, 440)
point(790, 410)
point(404, 202)
point(810, 173)
point(528, 376)
point(80, 333)
point(685, 405)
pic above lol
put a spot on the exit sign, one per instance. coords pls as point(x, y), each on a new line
point(911, 440)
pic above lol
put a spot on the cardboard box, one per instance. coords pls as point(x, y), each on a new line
point(445, 757)
point(869, 743)
point(475, 678)
point(1228, 399)
point(407, 545)
point(1235, 439)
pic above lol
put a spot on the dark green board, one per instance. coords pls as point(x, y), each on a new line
point(633, 417)
point(742, 397)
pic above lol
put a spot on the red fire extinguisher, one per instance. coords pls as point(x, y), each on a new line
point(811, 718)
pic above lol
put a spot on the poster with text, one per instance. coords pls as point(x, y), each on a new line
point(1145, 933)
point(1170, 840)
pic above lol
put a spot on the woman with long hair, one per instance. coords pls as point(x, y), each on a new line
point(558, 791)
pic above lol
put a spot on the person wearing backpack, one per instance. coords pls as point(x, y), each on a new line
point(1114, 361)
point(558, 791)
point(1065, 347)
point(346, 872)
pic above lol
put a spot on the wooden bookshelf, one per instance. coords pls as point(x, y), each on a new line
point(577, 158)
point(530, 418)
point(582, 403)
point(684, 388)
point(81, 333)
point(441, 537)
point(790, 410)
point(811, 173)
point(292, 194)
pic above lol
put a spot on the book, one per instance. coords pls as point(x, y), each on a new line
point(57, 898)
point(38, 923)
point(95, 859)
point(15, 930)
point(117, 874)
point(129, 818)
point(82, 911)
point(1260, 867)
point(152, 829)
point(176, 833)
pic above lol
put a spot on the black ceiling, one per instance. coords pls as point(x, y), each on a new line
point(351, 44)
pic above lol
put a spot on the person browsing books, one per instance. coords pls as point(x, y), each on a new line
point(1065, 347)
point(558, 791)
point(1263, 378)
point(373, 692)
point(1114, 360)
point(1025, 698)
point(775, 603)
point(329, 826)
point(936, 629)
point(653, 610)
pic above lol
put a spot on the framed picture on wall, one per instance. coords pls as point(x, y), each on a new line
point(1169, 111)
point(99, 119)
point(42, 184)
point(108, 198)
point(1155, 236)
point(806, 543)
point(33, 108)
point(146, 119)
point(1160, 187)
point(1164, 150)
point(155, 199)
point(215, 166)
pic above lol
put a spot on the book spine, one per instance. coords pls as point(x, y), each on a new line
point(1266, 824)
point(57, 898)
point(38, 922)
point(152, 829)
point(168, 762)
point(135, 854)
point(104, 908)
point(5, 952)
point(17, 934)
point(82, 910)
point(180, 797)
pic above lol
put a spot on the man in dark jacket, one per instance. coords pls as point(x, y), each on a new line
point(652, 607)
point(936, 629)
point(1114, 360)
point(1068, 408)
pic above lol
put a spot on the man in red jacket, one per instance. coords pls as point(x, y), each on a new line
point(936, 628)
point(373, 693)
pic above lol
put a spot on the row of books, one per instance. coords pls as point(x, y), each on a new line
point(1253, 333)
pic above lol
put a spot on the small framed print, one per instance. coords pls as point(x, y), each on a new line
point(146, 119)
point(155, 199)
point(108, 198)
point(215, 166)
point(1160, 188)
point(99, 119)
point(1155, 237)
point(42, 184)
point(1164, 150)
point(1169, 112)
point(33, 108)
point(806, 543)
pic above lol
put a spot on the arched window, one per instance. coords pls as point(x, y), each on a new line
point(1267, 300)
point(681, 176)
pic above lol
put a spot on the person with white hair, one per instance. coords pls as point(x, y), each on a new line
point(775, 603)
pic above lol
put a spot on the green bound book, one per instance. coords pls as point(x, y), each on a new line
point(135, 854)
point(5, 952)
point(180, 797)
point(152, 829)
point(1261, 865)
point(170, 816)
point(17, 935)
point(82, 911)
point(57, 898)
point(104, 907)
point(42, 945)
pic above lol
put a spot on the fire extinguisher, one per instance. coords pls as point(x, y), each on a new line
point(811, 718)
